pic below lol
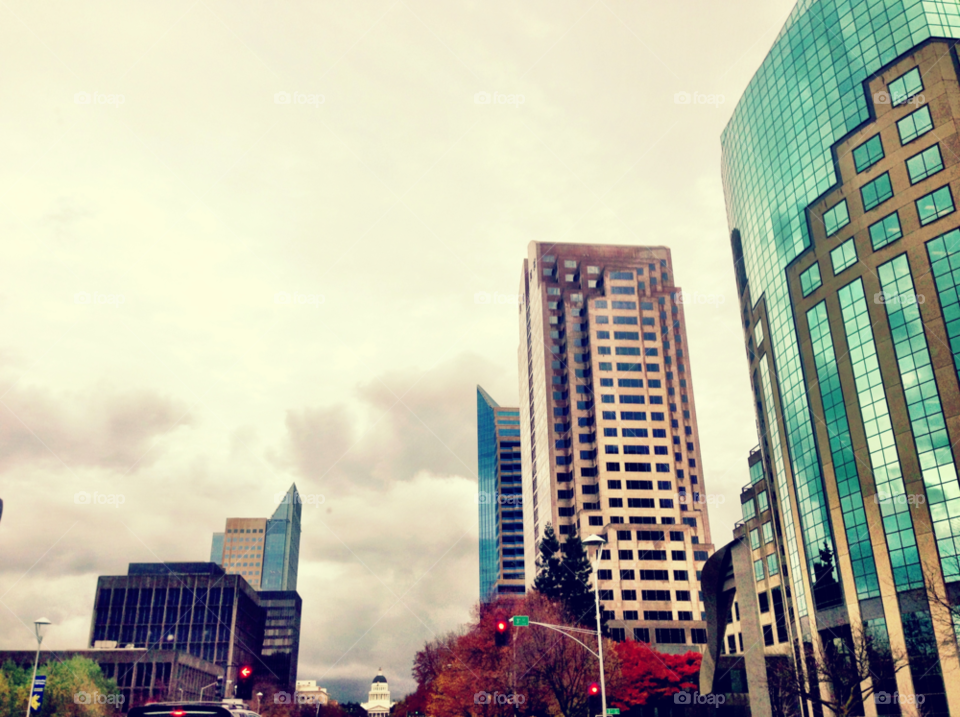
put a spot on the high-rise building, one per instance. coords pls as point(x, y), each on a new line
point(840, 172)
point(608, 427)
point(499, 496)
point(265, 551)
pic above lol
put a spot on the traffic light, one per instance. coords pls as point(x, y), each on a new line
point(593, 700)
point(218, 690)
point(245, 682)
point(502, 635)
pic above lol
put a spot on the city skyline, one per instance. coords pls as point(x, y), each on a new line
point(213, 293)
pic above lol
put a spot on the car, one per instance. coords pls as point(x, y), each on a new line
point(190, 709)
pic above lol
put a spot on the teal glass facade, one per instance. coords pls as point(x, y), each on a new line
point(281, 544)
point(487, 451)
point(808, 94)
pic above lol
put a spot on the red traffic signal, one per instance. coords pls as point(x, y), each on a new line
point(502, 637)
point(594, 688)
point(502, 626)
point(246, 671)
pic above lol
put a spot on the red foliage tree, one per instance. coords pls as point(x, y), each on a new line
point(647, 675)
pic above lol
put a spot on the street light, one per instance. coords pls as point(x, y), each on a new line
point(259, 695)
point(38, 627)
point(598, 541)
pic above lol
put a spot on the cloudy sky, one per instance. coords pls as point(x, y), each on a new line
point(242, 243)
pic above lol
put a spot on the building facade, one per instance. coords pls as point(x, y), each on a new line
point(281, 633)
point(378, 703)
point(265, 551)
point(609, 440)
point(500, 499)
point(142, 676)
point(840, 174)
point(189, 607)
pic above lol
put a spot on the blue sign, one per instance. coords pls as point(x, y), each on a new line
point(36, 697)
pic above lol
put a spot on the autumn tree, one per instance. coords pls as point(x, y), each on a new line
point(647, 676)
point(75, 688)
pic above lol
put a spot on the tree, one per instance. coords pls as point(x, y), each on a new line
point(549, 578)
point(647, 676)
point(843, 670)
point(75, 688)
point(564, 576)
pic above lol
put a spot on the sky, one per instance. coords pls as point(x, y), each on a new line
point(244, 244)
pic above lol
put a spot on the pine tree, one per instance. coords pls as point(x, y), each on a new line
point(549, 580)
point(576, 588)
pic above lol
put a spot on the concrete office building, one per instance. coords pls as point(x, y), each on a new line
point(500, 499)
point(265, 551)
point(609, 440)
point(841, 172)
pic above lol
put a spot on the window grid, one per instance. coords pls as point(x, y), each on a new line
point(881, 444)
point(944, 252)
point(868, 153)
point(876, 192)
point(915, 125)
point(935, 205)
point(810, 280)
point(886, 231)
point(844, 256)
point(841, 449)
point(926, 164)
point(934, 452)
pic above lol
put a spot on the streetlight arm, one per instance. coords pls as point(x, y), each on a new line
point(566, 634)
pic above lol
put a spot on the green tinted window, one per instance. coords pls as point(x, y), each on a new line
point(749, 509)
point(915, 124)
point(928, 162)
point(944, 254)
point(767, 533)
point(876, 192)
point(868, 153)
point(844, 256)
point(755, 539)
point(886, 231)
point(810, 280)
point(773, 567)
point(758, 569)
point(905, 87)
point(835, 218)
point(935, 205)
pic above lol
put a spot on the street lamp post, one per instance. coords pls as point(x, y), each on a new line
point(38, 627)
point(259, 695)
point(598, 541)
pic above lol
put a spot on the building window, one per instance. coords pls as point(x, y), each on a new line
point(904, 87)
point(767, 533)
point(762, 501)
point(868, 153)
point(755, 539)
point(843, 257)
point(926, 164)
point(768, 635)
point(876, 192)
point(671, 636)
point(698, 636)
point(935, 205)
point(835, 218)
point(758, 569)
point(641, 634)
point(764, 602)
point(810, 280)
point(886, 231)
point(749, 509)
point(773, 566)
point(915, 125)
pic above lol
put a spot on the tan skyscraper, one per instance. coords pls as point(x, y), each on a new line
point(608, 429)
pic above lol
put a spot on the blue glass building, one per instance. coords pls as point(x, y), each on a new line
point(840, 174)
point(281, 550)
point(499, 498)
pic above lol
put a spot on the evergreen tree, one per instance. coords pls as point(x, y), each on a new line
point(576, 586)
point(549, 580)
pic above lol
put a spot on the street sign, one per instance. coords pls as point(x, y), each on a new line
point(520, 620)
point(36, 697)
point(613, 710)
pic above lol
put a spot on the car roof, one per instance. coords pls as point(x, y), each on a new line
point(189, 710)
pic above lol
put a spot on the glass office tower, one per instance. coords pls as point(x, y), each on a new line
point(499, 498)
point(840, 173)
